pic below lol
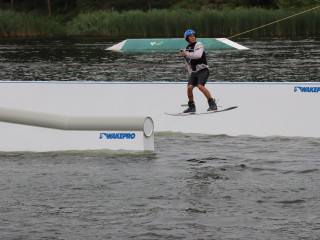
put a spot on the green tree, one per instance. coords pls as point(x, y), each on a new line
point(252, 3)
point(133, 4)
point(87, 5)
point(297, 4)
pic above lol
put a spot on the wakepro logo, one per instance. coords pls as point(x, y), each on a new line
point(307, 89)
point(156, 43)
point(117, 135)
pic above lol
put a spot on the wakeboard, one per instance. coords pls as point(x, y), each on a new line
point(201, 113)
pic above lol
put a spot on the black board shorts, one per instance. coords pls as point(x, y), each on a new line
point(199, 78)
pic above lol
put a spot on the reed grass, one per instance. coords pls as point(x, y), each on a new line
point(27, 24)
point(207, 22)
point(164, 23)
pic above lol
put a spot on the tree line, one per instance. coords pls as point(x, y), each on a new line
point(79, 6)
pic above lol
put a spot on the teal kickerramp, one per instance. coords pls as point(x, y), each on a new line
point(174, 44)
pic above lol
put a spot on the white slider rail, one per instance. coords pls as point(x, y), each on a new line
point(79, 123)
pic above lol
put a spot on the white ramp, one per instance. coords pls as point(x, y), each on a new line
point(264, 109)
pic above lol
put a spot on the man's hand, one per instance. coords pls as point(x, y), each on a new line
point(183, 53)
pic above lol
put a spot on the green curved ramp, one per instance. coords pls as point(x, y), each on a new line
point(174, 44)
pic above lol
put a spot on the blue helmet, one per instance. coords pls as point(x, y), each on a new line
point(187, 33)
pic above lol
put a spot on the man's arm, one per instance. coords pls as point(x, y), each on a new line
point(198, 51)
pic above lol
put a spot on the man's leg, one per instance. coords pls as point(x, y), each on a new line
point(203, 76)
point(205, 91)
point(190, 92)
point(192, 106)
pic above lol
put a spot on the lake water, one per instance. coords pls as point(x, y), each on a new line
point(193, 186)
point(85, 59)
